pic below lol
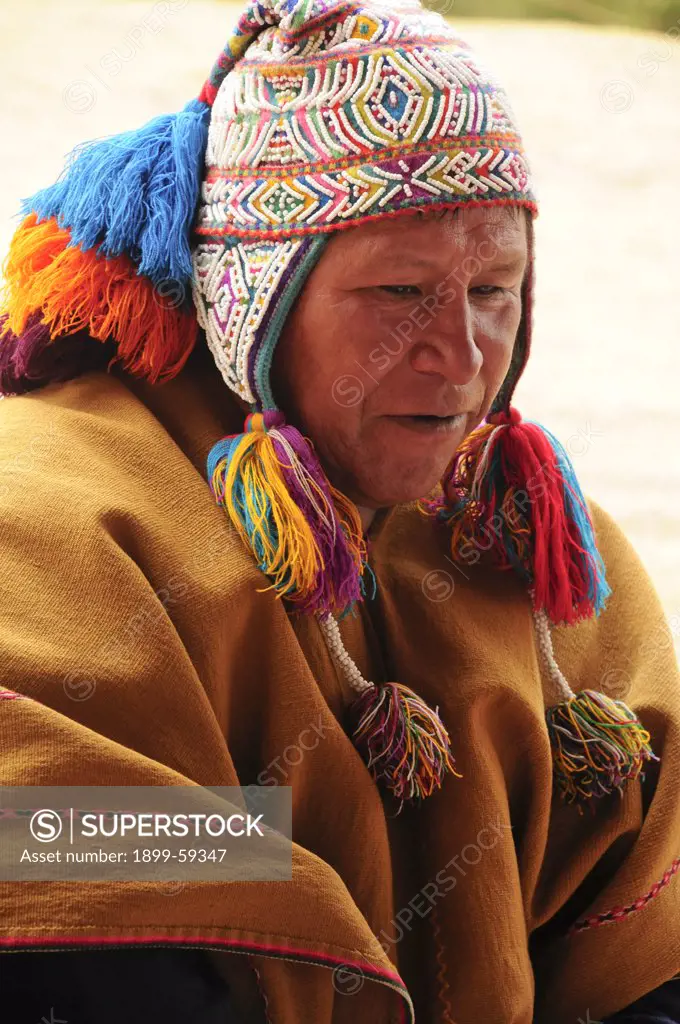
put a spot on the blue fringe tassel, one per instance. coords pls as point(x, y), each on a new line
point(577, 510)
point(135, 193)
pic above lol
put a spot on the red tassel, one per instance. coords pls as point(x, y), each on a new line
point(511, 491)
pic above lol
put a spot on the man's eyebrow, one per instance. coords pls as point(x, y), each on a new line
point(511, 263)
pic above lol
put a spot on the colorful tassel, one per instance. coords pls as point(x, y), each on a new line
point(74, 291)
point(305, 535)
point(598, 743)
point(403, 741)
point(512, 481)
point(134, 193)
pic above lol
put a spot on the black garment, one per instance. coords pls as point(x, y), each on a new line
point(171, 986)
point(113, 986)
point(662, 1006)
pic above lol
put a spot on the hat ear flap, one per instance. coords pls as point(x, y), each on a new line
point(135, 193)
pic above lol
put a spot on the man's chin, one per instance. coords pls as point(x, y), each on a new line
point(397, 493)
point(375, 484)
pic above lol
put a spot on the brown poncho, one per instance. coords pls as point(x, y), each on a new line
point(133, 620)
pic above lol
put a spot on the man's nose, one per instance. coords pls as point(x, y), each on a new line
point(447, 344)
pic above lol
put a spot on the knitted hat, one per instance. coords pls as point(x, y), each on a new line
point(317, 117)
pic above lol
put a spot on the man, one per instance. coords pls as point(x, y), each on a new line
point(395, 601)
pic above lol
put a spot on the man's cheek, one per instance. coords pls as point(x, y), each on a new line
point(497, 347)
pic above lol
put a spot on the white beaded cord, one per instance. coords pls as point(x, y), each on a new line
point(331, 632)
point(560, 687)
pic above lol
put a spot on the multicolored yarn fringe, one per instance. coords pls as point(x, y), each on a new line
point(54, 288)
point(511, 491)
point(104, 253)
point(305, 535)
point(598, 743)
point(402, 740)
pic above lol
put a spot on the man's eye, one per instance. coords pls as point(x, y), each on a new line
point(400, 289)
point(486, 290)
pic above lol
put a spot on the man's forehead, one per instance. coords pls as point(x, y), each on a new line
point(468, 220)
point(429, 238)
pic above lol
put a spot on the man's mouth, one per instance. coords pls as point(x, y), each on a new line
point(428, 424)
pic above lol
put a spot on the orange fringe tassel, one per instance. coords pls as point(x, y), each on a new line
point(80, 290)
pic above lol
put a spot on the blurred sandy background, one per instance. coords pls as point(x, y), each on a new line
point(600, 111)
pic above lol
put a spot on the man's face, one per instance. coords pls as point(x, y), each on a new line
point(399, 343)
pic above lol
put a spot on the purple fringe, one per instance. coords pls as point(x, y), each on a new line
point(338, 578)
point(31, 360)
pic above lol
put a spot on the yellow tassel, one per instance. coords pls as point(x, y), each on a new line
point(291, 556)
point(305, 535)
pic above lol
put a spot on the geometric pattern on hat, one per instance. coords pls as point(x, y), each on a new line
point(243, 292)
point(312, 146)
point(388, 131)
point(233, 284)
